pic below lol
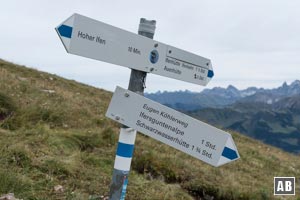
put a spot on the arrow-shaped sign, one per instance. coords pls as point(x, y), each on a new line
point(171, 127)
point(94, 39)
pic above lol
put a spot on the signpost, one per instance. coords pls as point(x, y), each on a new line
point(127, 135)
point(93, 39)
point(173, 128)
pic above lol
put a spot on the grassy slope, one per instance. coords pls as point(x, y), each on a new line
point(62, 137)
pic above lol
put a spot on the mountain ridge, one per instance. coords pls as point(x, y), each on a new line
point(219, 97)
point(269, 115)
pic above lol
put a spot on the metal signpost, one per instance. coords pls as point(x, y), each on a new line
point(93, 39)
point(127, 135)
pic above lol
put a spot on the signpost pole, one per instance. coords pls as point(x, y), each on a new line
point(127, 135)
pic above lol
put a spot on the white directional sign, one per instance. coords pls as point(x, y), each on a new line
point(173, 128)
point(93, 39)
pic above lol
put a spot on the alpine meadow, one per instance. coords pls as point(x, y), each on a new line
point(53, 132)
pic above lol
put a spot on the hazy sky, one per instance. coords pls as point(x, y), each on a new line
point(250, 43)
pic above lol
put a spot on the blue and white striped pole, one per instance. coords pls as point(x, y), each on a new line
point(122, 163)
point(127, 135)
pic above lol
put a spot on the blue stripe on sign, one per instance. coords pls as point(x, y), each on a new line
point(229, 153)
point(65, 31)
point(210, 73)
point(125, 150)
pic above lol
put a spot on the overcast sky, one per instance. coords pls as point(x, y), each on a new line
point(253, 43)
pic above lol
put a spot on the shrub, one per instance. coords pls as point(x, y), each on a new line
point(7, 106)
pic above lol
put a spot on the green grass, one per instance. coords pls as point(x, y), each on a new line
point(63, 138)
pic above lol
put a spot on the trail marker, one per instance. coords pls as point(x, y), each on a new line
point(94, 39)
point(173, 128)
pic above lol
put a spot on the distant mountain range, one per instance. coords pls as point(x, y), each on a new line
point(270, 115)
point(220, 97)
